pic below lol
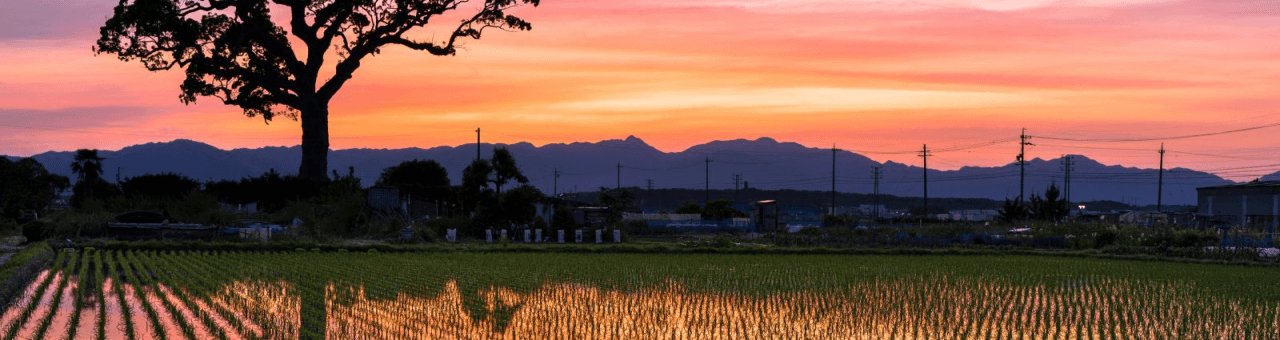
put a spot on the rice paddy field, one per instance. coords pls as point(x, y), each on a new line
point(338, 295)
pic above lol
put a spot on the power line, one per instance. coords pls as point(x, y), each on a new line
point(1148, 139)
point(947, 149)
point(157, 135)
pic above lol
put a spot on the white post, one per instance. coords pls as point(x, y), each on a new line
point(577, 236)
point(1275, 210)
point(488, 235)
point(538, 234)
point(598, 235)
point(617, 236)
point(560, 235)
point(451, 235)
point(526, 235)
point(1244, 209)
point(504, 235)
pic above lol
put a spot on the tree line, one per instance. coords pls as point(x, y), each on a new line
point(493, 192)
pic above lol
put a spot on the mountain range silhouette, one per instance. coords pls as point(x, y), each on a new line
point(763, 163)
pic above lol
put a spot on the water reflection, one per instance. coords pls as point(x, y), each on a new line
point(933, 308)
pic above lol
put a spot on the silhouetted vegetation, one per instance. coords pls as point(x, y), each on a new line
point(89, 183)
point(1049, 208)
point(158, 186)
point(27, 185)
point(340, 208)
point(233, 51)
point(423, 179)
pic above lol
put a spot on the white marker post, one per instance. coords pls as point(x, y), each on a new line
point(617, 236)
point(560, 235)
point(598, 235)
point(488, 236)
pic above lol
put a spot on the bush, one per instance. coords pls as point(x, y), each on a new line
point(634, 227)
point(304, 211)
point(384, 227)
point(76, 224)
point(195, 207)
point(36, 230)
point(1105, 238)
point(438, 226)
point(1192, 238)
point(9, 227)
point(341, 214)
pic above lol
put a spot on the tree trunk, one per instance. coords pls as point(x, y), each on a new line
point(315, 141)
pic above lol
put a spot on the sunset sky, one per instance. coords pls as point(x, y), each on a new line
point(877, 76)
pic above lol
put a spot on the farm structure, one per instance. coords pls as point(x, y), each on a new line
point(1254, 204)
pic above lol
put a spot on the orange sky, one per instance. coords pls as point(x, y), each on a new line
point(871, 75)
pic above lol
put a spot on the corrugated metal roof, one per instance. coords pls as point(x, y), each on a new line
point(1258, 184)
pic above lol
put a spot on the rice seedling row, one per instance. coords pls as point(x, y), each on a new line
point(174, 295)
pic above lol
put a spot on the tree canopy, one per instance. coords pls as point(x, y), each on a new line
point(504, 169)
point(87, 166)
point(27, 185)
point(425, 179)
point(1051, 207)
point(159, 186)
point(243, 52)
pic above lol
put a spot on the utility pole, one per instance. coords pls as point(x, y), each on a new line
point(924, 153)
point(1022, 165)
point(1068, 165)
point(875, 173)
point(618, 185)
point(117, 175)
point(833, 178)
point(649, 184)
point(555, 182)
point(1160, 181)
point(707, 190)
point(737, 178)
point(477, 144)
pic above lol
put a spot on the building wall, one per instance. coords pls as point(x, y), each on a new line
point(1251, 207)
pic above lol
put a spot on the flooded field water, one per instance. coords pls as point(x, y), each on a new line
point(55, 306)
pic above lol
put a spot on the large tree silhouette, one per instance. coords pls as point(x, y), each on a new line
point(234, 50)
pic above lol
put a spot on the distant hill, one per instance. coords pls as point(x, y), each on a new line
point(762, 163)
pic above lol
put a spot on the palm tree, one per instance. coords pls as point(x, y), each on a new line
point(88, 169)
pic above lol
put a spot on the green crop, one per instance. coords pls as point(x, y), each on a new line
point(113, 294)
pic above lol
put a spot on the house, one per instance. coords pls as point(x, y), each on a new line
point(1253, 204)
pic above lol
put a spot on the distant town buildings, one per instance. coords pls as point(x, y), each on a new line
point(973, 215)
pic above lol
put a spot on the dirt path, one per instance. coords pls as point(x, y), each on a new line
point(10, 246)
point(5, 258)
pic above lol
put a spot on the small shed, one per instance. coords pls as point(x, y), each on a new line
point(765, 216)
point(384, 197)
